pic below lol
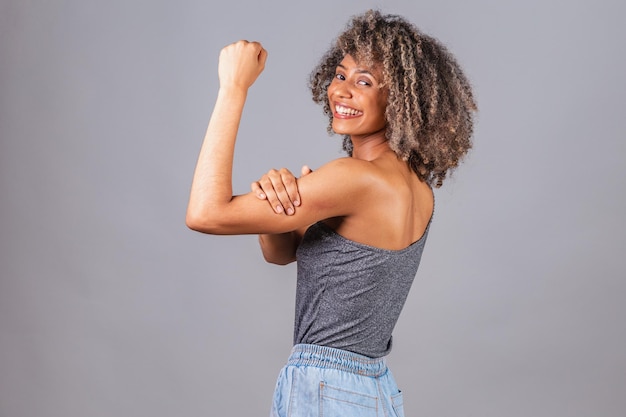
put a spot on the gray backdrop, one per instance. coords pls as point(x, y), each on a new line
point(109, 306)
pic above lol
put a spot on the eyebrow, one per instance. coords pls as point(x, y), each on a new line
point(360, 71)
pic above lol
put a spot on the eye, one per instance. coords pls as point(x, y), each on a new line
point(340, 77)
point(364, 82)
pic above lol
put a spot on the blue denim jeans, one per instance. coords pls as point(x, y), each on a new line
point(319, 381)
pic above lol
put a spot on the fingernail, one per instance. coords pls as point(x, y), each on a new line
point(290, 211)
point(261, 195)
point(279, 209)
point(296, 203)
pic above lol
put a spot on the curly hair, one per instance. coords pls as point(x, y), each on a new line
point(430, 102)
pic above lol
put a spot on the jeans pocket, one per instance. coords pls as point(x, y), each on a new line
point(337, 402)
point(398, 404)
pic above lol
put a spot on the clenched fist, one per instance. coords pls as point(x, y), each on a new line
point(241, 63)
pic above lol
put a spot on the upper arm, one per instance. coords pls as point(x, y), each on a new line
point(281, 248)
point(335, 189)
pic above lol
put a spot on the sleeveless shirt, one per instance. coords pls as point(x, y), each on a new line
point(349, 295)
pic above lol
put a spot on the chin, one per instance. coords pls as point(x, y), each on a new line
point(339, 130)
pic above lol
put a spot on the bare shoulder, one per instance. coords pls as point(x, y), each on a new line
point(347, 165)
point(342, 181)
point(353, 173)
point(391, 208)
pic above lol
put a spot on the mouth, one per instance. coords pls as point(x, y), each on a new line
point(344, 111)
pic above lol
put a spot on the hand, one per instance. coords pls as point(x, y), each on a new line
point(280, 189)
point(241, 63)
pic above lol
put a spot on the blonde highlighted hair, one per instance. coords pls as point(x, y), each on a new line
point(430, 102)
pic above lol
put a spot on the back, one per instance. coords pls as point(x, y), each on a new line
point(395, 210)
point(349, 295)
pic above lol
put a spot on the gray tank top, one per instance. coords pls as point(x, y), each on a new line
point(349, 295)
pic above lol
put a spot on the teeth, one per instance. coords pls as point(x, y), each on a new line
point(346, 111)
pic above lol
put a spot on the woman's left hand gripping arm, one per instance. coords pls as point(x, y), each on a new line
point(239, 66)
point(280, 189)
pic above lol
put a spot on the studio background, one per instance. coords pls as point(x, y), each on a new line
point(110, 306)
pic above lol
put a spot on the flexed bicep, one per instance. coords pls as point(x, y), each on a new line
point(338, 188)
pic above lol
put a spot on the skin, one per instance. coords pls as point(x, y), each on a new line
point(372, 197)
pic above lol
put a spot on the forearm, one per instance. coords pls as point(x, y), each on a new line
point(211, 188)
point(280, 248)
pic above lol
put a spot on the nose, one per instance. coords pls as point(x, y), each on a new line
point(342, 90)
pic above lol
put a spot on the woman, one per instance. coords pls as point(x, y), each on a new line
point(357, 225)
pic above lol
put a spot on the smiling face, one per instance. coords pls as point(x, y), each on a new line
point(357, 99)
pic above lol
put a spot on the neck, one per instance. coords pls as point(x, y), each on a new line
point(369, 147)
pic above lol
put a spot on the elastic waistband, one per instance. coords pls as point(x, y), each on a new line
point(332, 358)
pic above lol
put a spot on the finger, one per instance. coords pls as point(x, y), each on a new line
point(260, 51)
point(262, 58)
point(257, 190)
point(291, 186)
point(305, 170)
point(280, 180)
point(268, 189)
